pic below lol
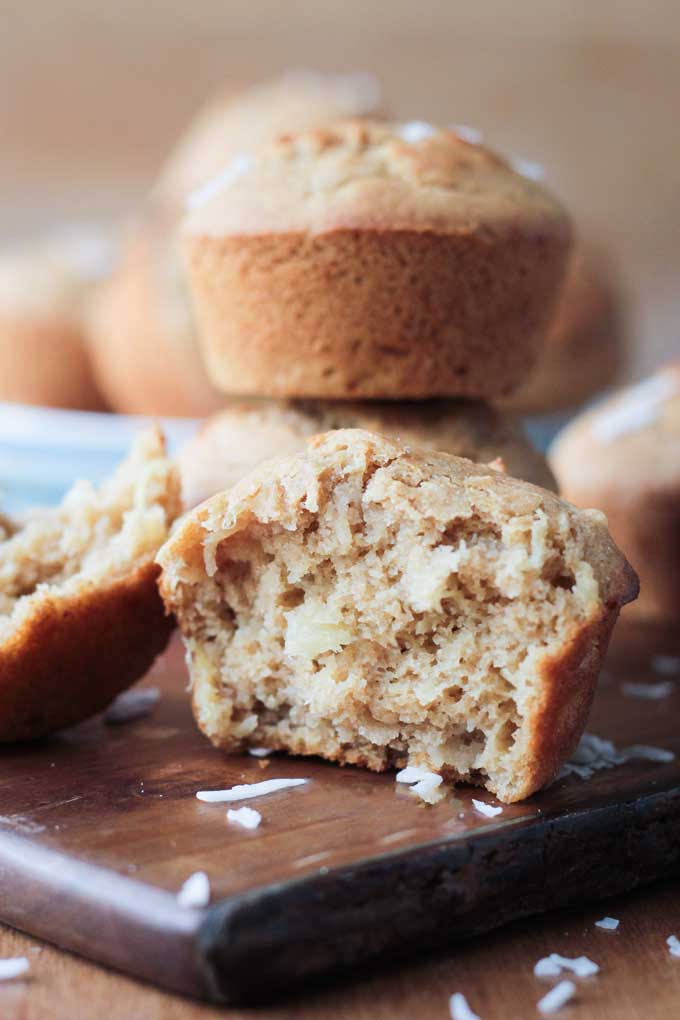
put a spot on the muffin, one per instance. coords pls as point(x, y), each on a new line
point(244, 434)
point(623, 457)
point(238, 120)
point(373, 260)
point(585, 346)
point(142, 337)
point(146, 359)
point(45, 288)
point(80, 614)
point(380, 606)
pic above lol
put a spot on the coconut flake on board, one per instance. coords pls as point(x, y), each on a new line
point(424, 784)
point(673, 944)
point(131, 705)
point(459, 1008)
point(14, 967)
point(259, 752)
point(666, 665)
point(246, 817)
point(607, 923)
point(429, 788)
point(554, 965)
point(557, 997)
point(594, 753)
point(649, 692)
point(488, 810)
point(195, 892)
point(245, 791)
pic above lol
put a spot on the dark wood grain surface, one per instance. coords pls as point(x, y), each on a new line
point(100, 826)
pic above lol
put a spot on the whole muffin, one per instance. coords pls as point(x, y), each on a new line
point(146, 359)
point(373, 260)
point(45, 289)
point(237, 120)
point(623, 457)
point(585, 346)
point(382, 606)
point(244, 434)
point(142, 336)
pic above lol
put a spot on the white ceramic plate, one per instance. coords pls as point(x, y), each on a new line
point(44, 450)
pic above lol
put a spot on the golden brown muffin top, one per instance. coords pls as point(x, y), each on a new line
point(370, 174)
point(240, 119)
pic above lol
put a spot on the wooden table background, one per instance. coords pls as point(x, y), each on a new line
point(92, 95)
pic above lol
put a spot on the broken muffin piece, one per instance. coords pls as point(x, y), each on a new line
point(80, 614)
point(379, 605)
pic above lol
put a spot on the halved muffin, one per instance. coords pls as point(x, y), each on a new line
point(381, 605)
point(80, 614)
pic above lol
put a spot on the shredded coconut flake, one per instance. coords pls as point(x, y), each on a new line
point(607, 923)
point(13, 967)
point(673, 944)
point(416, 131)
point(639, 406)
point(528, 168)
point(557, 997)
point(246, 817)
point(412, 774)
point(429, 788)
point(131, 705)
point(488, 810)
point(195, 892)
point(459, 1008)
point(240, 165)
point(647, 753)
point(554, 965)
point(594, 753)
point(666, 665)
point(649, 692)
point(259, 752)
point(246, 791)
point(468, 134)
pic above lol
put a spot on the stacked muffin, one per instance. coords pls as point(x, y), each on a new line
point(392, 277)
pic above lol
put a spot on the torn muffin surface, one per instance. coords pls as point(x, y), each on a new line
point(379, 605)
point(80, 615)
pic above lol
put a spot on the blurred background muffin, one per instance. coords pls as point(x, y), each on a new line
point(45, 291)
point(584, 349)
point(145, 358)
point(239, 120)
point(623, 457)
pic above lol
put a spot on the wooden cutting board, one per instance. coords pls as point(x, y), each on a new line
point(100, 826)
